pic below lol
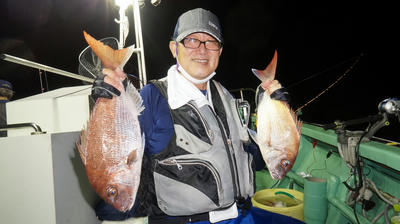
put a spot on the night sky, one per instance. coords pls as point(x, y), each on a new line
point(317, 41)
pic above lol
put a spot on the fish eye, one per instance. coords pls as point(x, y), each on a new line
point(285, 163)
point(112, 191)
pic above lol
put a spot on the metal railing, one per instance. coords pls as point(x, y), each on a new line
point(35, 127)
point(32, 64)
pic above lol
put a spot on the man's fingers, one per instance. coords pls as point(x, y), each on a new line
point(116, 74)
point(117, 84)
point(271, 86)
point(114, 77)
point(274, 86)
point(266, 84)
point(121, 74)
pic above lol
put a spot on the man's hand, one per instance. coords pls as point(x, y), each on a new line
point(114, 77)
point(109, 85)
point(275, 90)
point(271, 85)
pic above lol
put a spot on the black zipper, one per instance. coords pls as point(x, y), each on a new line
point(228, 146)
point(205, 125)
point(250, 165)
point(182, 161)
point(231, 156)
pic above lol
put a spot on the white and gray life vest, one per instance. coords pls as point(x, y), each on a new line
point(204, 166)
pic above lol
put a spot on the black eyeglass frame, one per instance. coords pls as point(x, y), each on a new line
point(201, 42)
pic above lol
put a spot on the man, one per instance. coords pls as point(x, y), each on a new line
point(199, 164)
point(6, 93)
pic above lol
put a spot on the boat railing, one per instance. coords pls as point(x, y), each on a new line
point(36, 127)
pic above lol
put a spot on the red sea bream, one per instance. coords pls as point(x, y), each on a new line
point(111, 146)
point(278, 129)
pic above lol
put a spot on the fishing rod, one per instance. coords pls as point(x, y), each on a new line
point(331, 85)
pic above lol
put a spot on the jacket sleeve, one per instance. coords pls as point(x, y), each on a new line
point(155, 120)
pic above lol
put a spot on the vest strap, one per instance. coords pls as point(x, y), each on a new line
point(178, 219)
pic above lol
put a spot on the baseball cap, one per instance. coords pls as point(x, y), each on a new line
point(197, 20)
point(6, 89)
point(5, 84)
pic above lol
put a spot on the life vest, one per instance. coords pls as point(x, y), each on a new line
point(204, 166)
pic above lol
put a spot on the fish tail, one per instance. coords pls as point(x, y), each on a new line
point(269, 72)
point(127, 55)
point(109, 57)
point(257, 73)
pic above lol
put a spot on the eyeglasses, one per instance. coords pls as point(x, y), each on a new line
point(193, 43)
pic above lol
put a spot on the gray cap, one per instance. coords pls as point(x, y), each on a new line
point(197, 20)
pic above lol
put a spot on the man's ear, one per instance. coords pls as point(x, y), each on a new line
point(173, 48)
point(220, 51)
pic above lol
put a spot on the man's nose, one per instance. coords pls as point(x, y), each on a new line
point(202, 47)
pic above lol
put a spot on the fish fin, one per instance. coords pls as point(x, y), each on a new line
point(132, 157)
point(253, 135)
point(81, 145)
point(135, 96)
point(81, 152)
point(299, 124)
point(135, 154)
point(269, 72)
point(297, 121)
point(143, 141)
point(109, 57)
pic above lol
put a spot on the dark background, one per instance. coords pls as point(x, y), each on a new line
point(317, 41)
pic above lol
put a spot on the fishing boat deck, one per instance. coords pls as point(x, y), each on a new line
point(319, 157)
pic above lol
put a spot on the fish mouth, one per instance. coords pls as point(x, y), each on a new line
point(126, 207)
point(276, 175)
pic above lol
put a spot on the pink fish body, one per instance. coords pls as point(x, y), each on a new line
point(111, 148)
point(278, 129)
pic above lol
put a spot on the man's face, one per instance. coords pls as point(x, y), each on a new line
point(200, 62)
